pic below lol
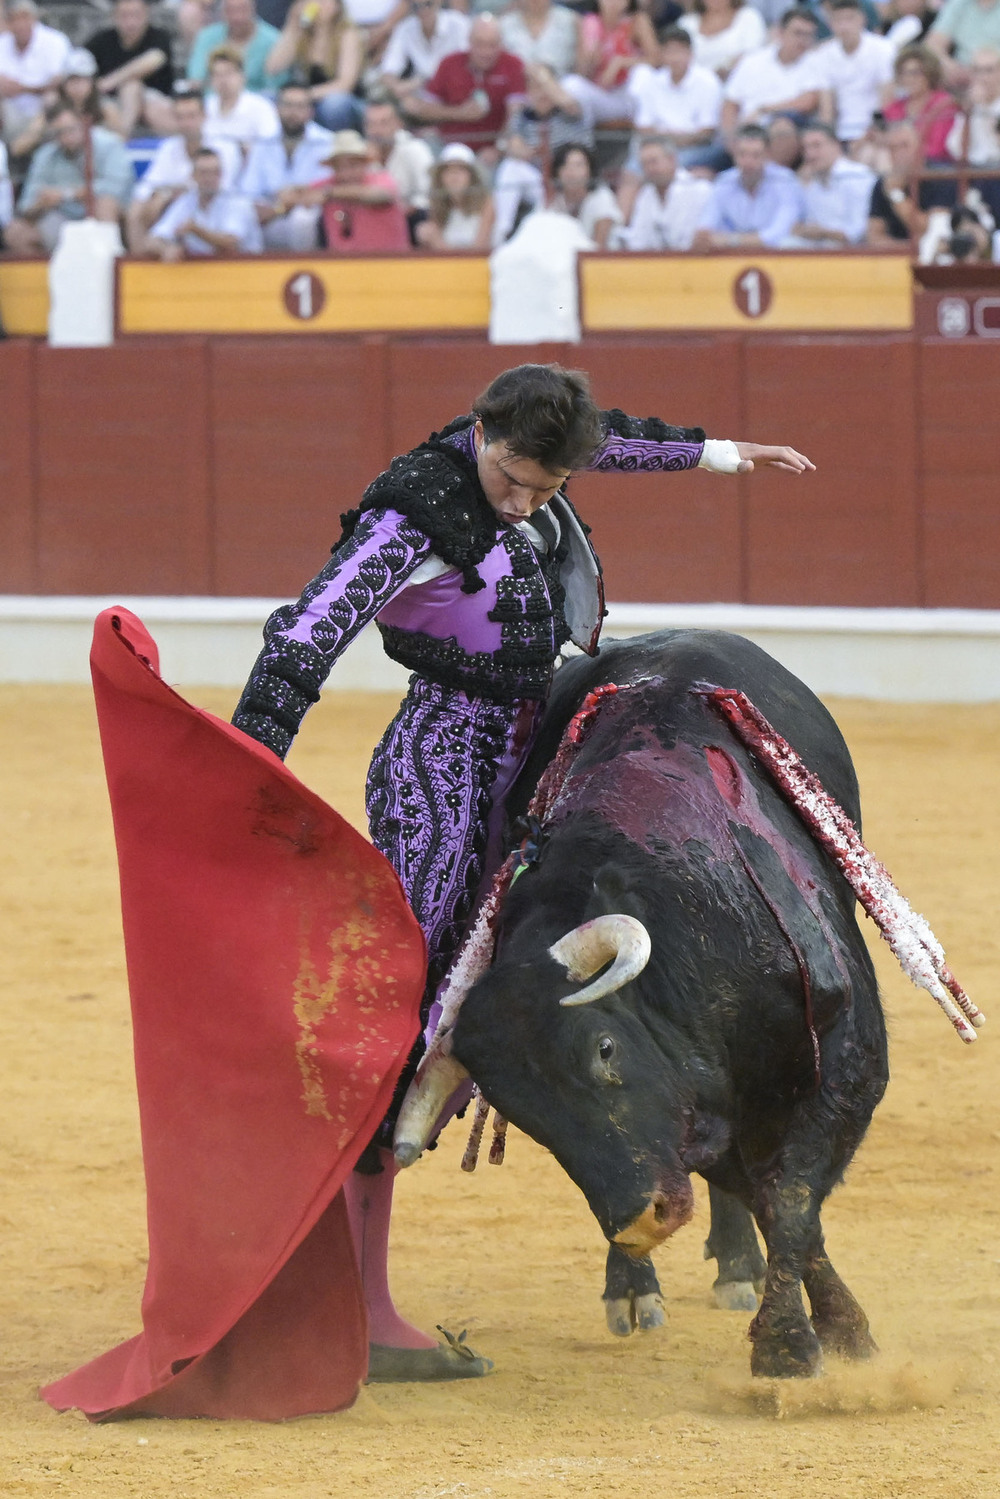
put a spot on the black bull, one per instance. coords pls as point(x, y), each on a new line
point(751, 1047)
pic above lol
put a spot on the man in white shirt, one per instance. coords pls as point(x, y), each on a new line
point(232, 112)
point(406, 157)
point(837, 193)
point(679, 99)
point(33, 62)
point(170, 172)
point(419, 43)
point(205, 220)
point(280, 172)
point(668, 206)
point(780, 79)
point(856, 68)
point(974, 136)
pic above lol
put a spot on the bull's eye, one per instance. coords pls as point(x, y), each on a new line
point(605, 1048)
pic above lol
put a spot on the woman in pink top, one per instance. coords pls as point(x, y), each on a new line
point(611, 43)
point(924, 103)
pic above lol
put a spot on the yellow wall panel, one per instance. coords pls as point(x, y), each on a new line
point(753, 293)
point(24, 297)
point(304, 296)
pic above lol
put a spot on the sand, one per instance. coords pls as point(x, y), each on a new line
point(512, 1252)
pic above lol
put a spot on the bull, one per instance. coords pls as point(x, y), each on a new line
point(680, 985)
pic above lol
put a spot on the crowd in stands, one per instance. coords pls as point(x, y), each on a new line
point(225, 127)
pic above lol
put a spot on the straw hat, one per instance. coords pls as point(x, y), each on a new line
point(346, 143)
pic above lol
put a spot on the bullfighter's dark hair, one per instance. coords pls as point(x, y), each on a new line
point(542, 412)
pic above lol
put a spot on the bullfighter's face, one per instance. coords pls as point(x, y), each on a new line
point(515, 486)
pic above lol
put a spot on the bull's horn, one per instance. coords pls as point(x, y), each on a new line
point(426, 1096)
point(587, 948)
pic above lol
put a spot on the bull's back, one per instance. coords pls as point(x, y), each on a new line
point(681, 659)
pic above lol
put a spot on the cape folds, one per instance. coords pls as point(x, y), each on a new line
point(275, 973)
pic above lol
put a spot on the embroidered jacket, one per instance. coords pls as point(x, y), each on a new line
point(418, 555)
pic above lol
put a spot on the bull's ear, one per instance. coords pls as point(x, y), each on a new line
point(706, 1138)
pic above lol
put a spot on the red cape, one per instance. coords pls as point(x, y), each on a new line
point(275, 973)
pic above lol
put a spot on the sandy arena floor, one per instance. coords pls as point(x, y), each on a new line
point(512, 1253)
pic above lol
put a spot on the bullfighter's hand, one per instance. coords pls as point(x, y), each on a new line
point(757, 455)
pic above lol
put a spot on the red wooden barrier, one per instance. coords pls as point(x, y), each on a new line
point(222, 466)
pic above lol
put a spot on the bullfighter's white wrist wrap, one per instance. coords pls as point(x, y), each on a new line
point(720, 456)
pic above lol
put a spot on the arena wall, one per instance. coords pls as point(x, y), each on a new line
point(215, 466)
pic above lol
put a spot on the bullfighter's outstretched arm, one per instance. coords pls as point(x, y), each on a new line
point(303, 640)
point(636, 444)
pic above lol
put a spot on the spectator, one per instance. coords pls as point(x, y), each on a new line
point(722, 32)
point(541, 31)
point(472, 92)
point(837, 194)
point(419, 44)
point(206, 220)
point(679, 99)
point(906, 21)
point(171, 171)
point(242, 33)
point(579, 193)
point(232, 112)
point(669, 203)
point(784, 142)
point(326, 51)
point(6, 194)
point(406, 158)
point(134, 68)
point(973, 136)
point(549, 117)
point(962, 28)
point(612, 42)
point(927, 106)
point(361, 208)
point(778, 79)
point(899, 209)
point(857, 69)
point(55, 187)
point(461, 214)
point(33, 62)
point(279, 174)
point(755, 204)
point(78, 90)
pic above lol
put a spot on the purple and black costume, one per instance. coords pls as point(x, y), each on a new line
point(479, 610)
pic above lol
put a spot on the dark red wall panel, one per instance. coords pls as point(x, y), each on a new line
point(667, 536)
point(847, 534)
point(18, 519)
point(121, 470)
point(298, 431)
point(959, 434)
point(222, 466)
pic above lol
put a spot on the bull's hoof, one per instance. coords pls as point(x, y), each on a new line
point(735, 1295)
point(405, 1365)
point(619, 1314)
point(626, 1314)
point(792, 1353)
point(846, 1339)
point(649, 1313)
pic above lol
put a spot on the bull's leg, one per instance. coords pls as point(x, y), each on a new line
point(631, 1294)
point(838, 1320)
point(732, 1243)
point(785, 1344)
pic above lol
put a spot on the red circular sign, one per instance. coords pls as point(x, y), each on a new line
point(304, 295)
point(753, 292)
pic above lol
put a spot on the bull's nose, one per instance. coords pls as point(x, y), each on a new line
point(663, 1215)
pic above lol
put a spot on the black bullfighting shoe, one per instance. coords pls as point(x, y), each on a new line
point(451, 1360)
